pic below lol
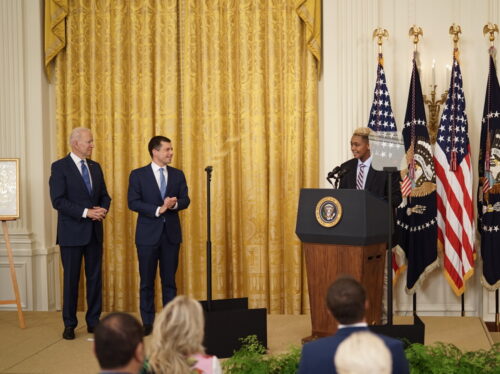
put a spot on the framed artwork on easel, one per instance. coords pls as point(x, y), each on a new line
point(9, 189)
point(9, 211)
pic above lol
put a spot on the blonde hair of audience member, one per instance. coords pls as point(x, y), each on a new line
point(363, 352)
point(177, 334)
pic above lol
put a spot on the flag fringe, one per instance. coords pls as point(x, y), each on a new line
point(430, 268)
point(490, 287)
point(399, 252)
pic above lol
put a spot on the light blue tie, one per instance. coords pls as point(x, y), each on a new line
point(86, 177)
point(163, 184)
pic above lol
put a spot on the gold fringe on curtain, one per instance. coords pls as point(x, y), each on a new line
point(56, 12)
point(310, 12)
point(233, 84)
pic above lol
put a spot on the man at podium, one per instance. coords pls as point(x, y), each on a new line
point(358, 173)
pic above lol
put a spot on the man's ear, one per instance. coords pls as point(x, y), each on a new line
point(139, 352)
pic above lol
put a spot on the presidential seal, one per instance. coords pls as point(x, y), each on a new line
point(328, 211)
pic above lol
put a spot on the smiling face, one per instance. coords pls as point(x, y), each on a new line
point(163, 155)
point(360, 148)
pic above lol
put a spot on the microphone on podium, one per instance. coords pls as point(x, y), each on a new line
point(209, 169)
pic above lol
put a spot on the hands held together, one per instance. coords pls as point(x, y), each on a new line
point(97, 213)
point(168, 203)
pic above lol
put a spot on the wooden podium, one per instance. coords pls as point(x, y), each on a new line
point(356, 245)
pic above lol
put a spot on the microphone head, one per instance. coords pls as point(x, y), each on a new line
point(332, 173)
point(209, 169)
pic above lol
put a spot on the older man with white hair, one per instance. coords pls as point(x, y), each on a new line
point(78, 193)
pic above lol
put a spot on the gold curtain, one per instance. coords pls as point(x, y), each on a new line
point(233, 84)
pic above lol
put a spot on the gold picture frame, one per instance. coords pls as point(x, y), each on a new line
point(9, 189)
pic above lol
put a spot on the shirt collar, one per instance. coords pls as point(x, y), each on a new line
point(359, 324)
point(76, 159)
point(367, 162)
point(157, 167)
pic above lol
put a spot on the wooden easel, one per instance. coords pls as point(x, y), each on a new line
point(13, 277)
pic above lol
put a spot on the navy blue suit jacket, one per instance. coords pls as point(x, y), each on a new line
point(70, 197)
point(317, 356)
point(144, 197)
point(376, 181)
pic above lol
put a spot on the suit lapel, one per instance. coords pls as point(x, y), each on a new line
point(93, 177)
point(152, 181)
point(76, 173)
point(370, 178)
point(170, 181)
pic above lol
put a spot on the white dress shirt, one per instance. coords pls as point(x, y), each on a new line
point(156, 173)
point(78, 162)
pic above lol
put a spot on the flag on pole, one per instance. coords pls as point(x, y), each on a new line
point(454, 186)
point(382, 119)
point(489, 182)
point(416, 224)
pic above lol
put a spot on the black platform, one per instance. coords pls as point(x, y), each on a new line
point(228, 321)
point(413, 333)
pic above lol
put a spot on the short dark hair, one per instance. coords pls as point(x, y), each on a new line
point(155, 143)
point(346, 300)
point(116, 339)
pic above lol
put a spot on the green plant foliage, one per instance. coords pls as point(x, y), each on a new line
point(251, 358)
point(439, 358)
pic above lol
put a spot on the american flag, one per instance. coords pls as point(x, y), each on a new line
point(382, 120)
point(454, 186)
point(489, 181)
point(381, 116)
point(416, 225)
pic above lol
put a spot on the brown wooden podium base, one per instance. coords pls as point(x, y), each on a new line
point(325, 263)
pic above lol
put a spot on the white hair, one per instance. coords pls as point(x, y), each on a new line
point(76, 133)
point(363, 352)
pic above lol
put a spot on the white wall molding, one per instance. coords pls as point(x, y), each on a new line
point(26, 132)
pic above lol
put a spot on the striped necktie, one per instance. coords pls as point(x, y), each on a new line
point(360, 178)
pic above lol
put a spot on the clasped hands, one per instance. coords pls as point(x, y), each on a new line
point(168, 203)
point(97, 213)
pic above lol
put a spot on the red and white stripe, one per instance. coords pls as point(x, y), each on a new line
point(455, 218)
point(406, 186)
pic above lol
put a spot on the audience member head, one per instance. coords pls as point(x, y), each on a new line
point(363, 352)
point(346, 299)
point(360, 143)
point(118, 343)
point(177, 335)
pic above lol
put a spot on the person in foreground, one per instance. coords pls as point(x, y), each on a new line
point(346, 300)
point(176, 345)
point(78, 193)
point(157, 192)
point(118, 344)
point(359, 173)
point(361, 353)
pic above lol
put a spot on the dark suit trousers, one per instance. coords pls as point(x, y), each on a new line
point(72, 262)
point(167, 254)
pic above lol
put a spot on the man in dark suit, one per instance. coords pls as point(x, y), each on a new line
point(157, 192)
point(346, 300)
point(359, 173)
point(78, 193)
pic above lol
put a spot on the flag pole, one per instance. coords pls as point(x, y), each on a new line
point(497, 317)
point(491, 29)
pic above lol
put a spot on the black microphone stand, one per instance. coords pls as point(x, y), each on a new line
point(209, 169)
